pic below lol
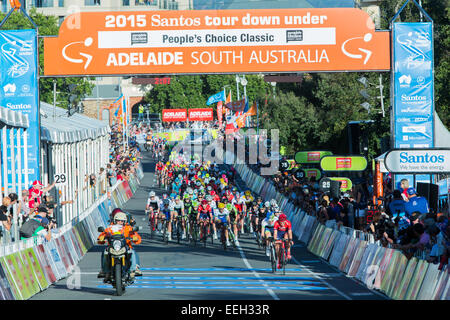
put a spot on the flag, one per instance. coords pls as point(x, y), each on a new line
point(228, 100)
point(216, 98)
point(236, 106)
point(118, 104)
point(220, 113)
point(252, 111)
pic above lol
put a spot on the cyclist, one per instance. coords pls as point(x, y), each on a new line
point(213, 206)
point(165, 214)
point(177, 209)
point(204, 216)
point(267, 227)
point(248, 200)
point(282, 230)
point(239, 203)
point(153, 206)
point(233, 217)
point(222, 217)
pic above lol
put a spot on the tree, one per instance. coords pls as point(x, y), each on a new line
point(194, 91)
point(48, 26)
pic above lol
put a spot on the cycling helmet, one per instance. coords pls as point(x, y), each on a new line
point(209, 188)
point(282, 217)
point(248, 193)
point(115, 211)
point(267, 204)
point(221, 205)
point(166, 202)
point(173, 195)
point(204, 202)
point(208, 198)
point(273, 203)
point(190, 191)
point(120, 216)
point(152, 193)
point(187, 199)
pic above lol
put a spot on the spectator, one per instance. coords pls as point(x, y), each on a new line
point(35, 193)
point(5, 218)
point(322, 213)
point(415, 203)
point(38, 226)
point(397, 206)
point(24, 209)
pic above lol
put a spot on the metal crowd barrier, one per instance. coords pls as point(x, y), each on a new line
point(32, 265)
point(356, 253)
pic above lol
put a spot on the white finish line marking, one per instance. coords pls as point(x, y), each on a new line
point(270, 291)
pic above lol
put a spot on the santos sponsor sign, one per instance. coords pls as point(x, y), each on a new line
point(414, 161)
point(232, 41)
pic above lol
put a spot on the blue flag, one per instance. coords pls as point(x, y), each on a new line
point(216, 98)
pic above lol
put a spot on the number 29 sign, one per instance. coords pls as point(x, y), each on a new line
point(60, 179)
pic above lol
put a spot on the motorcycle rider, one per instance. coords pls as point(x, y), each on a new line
point(120, 224)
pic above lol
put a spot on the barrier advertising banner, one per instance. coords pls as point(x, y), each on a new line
point(205, 114)
point(5, 289)
point(232, 41)
point(19, 90)
point(174, 115)
point(413, 98)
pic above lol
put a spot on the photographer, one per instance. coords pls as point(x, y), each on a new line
point(382, 228)
point(39, 225)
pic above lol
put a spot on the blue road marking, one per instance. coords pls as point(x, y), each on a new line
point(305, 288)
point(225, 278)
point(214, 269)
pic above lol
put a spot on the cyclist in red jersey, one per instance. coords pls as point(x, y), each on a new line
point(282, 230)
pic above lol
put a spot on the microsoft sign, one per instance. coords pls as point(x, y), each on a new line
point(418, 161)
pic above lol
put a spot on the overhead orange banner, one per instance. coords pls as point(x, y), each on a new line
point(225, 41)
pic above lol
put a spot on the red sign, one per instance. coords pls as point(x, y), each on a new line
point(343, 163)
point(313, 156)
point(174, 115)
point(201, 114)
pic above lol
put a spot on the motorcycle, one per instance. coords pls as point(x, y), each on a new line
point(119, 260)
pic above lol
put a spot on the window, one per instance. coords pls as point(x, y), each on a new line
point(146, 2)
point(43, 3)
point(91, 2)
point(61, 3)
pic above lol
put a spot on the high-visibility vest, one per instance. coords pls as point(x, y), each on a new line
point(141, 109)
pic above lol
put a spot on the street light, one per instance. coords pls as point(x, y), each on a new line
point(380, 86)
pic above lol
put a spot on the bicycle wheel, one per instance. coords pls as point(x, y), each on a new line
point(283, 258)
point(273, 258)
point(165, 235)
point(178, 227)
point(152, 227)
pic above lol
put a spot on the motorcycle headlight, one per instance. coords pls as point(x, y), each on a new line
point(117, 245)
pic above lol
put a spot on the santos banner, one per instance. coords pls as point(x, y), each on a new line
point(413, 85)
point(232, 41)
point(19, 90)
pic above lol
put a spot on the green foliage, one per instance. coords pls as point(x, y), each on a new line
point(194, 91)
point(48, 26)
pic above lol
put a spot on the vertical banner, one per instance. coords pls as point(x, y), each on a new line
point(19, 87)
point(413, 97)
